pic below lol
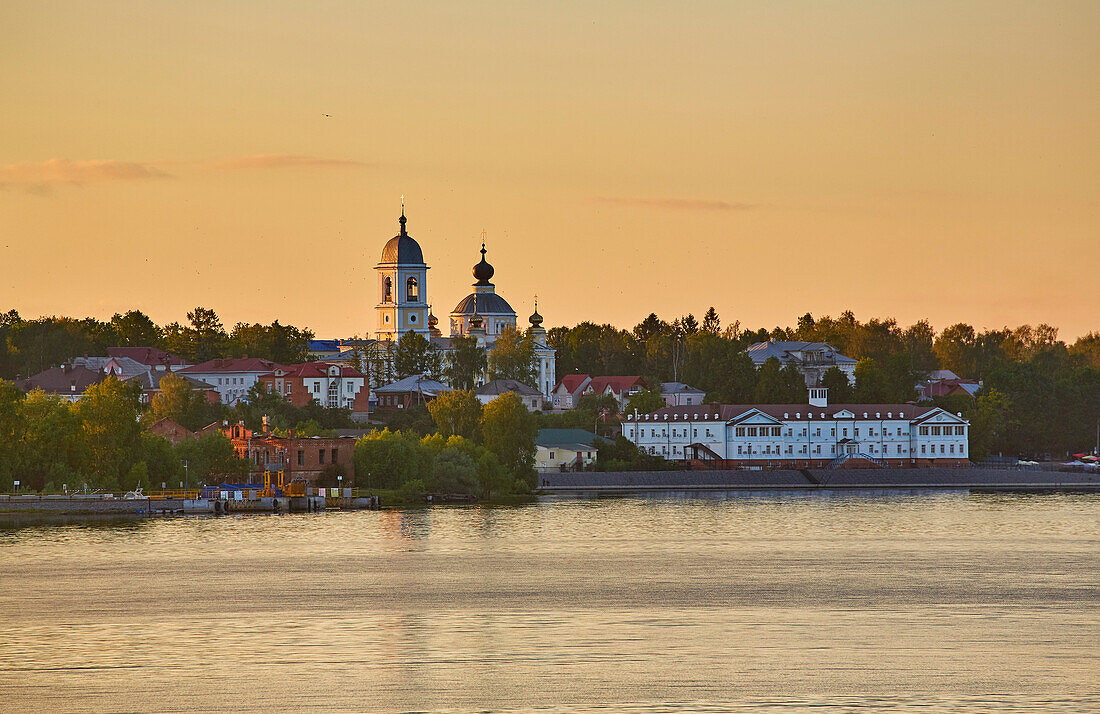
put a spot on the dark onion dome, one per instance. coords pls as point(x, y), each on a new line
point(536, 318)
point(402, 248)
point(483, 271)
point(486, 303)
point(432, 320)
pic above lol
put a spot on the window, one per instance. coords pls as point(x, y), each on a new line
point(752, 431)
point(935, 431)
point(317, 387)
point(740, 431)
point(334, 454)
point(708, 432)
point(899, 448)
point(777, 431)
point(818, 432)
point(301, 457)
point(923, 449)
point(952, 448)
point(320, 456)
point(855, 431)
point(551, 454)
point(832, 432)
point(412, 290)
point(387, 291)
point(412, 317)
point(941, 448)
point(739, 448)
point(818, 449)
point(959, 431)
point(845, 432)
point(351, 388)
point(695, 433)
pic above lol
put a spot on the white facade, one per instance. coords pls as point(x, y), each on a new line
point(232, 387)
point(774, 434)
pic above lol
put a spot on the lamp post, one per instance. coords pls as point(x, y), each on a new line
point(186, 480)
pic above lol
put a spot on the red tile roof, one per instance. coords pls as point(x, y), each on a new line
point(316, 369)
point(147, 355)
point(619, 385)
point(234, 364)
point(572, 382)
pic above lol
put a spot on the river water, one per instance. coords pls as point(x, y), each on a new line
point(938, 603)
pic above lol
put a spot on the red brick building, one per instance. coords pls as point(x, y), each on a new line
point(299, 457)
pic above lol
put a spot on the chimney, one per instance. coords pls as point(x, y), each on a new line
point(819, 397)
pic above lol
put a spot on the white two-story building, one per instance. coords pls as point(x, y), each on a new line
point(803, 435)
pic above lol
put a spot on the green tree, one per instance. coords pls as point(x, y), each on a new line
point(206, 337)
point(284, 344)
point(509, 431)
point(493, 478)
point(456, 412)
point(210, 460)
point(645, 401)
point(52, 445)
point(513, 357)
point(872, 386)
point(388, 459)
point(177, 401)
point(12, 424)
point(989, 424)
point(955, 349)
point(109, 416)
point(778, 384)
point(466, 362)
point(415, 355)
point(711, 322)
point(836, 381)
point(135, 329)
point(454, 471)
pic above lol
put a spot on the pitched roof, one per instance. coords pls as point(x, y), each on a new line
point(151, 356)
point(565, 437)
point(501, 386)
point(62, 380)
point(150, 381)
point(617, 384)
point(315, 369)
point(729, 412)
point(572, 382)
point(121, 367)
point(679, 388)
point(234, 364)
point(415, 383)
point(760, 352)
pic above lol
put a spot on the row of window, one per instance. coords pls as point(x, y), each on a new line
point(942, 431)
point(753, 431)
point(768, 450)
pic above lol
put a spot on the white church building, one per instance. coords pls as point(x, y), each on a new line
point(403, 306)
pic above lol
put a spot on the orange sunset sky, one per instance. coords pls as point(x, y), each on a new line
point(934, 160)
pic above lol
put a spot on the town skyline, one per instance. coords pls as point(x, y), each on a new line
point(916, 162)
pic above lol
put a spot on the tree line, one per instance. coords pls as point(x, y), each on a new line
point(30, 346)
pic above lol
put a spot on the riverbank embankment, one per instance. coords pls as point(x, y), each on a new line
point(734, 482)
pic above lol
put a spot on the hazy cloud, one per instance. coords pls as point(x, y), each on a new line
point(279, 161)
point(41, 176)
point(692, 204)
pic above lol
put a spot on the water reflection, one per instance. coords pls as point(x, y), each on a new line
point(949, 603)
